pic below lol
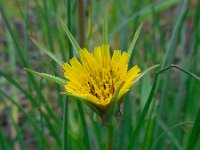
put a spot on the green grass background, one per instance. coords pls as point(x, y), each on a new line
point(161, 112)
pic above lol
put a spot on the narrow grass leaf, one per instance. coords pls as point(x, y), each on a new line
point(169, 129)
point(146, 11)
point(51, 127)
point(3, 141)
point(146, 108)
point(181, 69)
point(74, 96)
point(31, 119)
point(17, 85)
point(141, 120)
point(145, 89)
point(169, 58)
point(48, 76)
point(34, 103)
point(82, 99)
point(137, 33)
point(113, 104)
point(86, 136)
point(70, 36)
point(109, 118)
point(170, 53)
point(48, 52)
point(145, 72)
point(195, 134)
point(171, 136)
point(14, 38)
point(105, 30)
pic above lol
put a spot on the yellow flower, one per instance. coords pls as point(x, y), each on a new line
point(97, 76)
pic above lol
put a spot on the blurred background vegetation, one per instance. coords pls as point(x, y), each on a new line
point(31, 108)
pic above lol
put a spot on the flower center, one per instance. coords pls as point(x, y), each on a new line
point(101, 84)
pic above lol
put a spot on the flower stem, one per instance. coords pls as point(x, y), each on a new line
point(109, 137)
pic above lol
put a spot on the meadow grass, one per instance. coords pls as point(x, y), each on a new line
point(162, 111)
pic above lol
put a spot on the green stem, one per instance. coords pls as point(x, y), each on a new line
point(105, 30)
point(65, 123)
point(65, 109)
point(84, 126)
point(69, 27)
point(81, 23)
point(81, 34)
point(109, 138)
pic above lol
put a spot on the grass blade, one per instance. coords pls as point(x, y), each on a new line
point(145, 72)
point(147, 105)
point(195, 134)
point(112, 108)
point(46, 51)
point(48, 76)
point(21, 56)
point(137, 33)
point(143, 115)
point(74, 96)
point(84, 126)
point(105, 30)
point(81, 23)
point(70, 36)
point(146, 11)
point(167, 130)
point(169, 58)
point(170, 134)
point(181, 69)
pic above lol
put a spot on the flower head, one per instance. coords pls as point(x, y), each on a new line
point(97, 75)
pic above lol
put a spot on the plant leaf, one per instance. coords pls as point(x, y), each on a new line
point(145, 72)
point(74, 96)
point(145, 13)
point(110, 115)
point(70, 36)
point(105, 29)
point(113, 104)
point(137, 33)
point(48, 76)
point(46, 51)
point(181, 69)
point(84, 100)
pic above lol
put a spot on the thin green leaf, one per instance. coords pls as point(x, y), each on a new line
point(181, 69)
point(169, 57)
point(145, 12)
point(77, 97)
point(3, 141)
point(195, 134)
point(34, 103)
point(171, 136)
point(113, 104)
point(46, 51)
point(70, 36)
point(110, 117)
point(137, 33)
point(105, 30)
point(74, 96)
point(150, 99)
point(141, 120)
point(48, 76)
point(84, 100)
point(166, 130)
point(32, 120)
point(145, 72)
